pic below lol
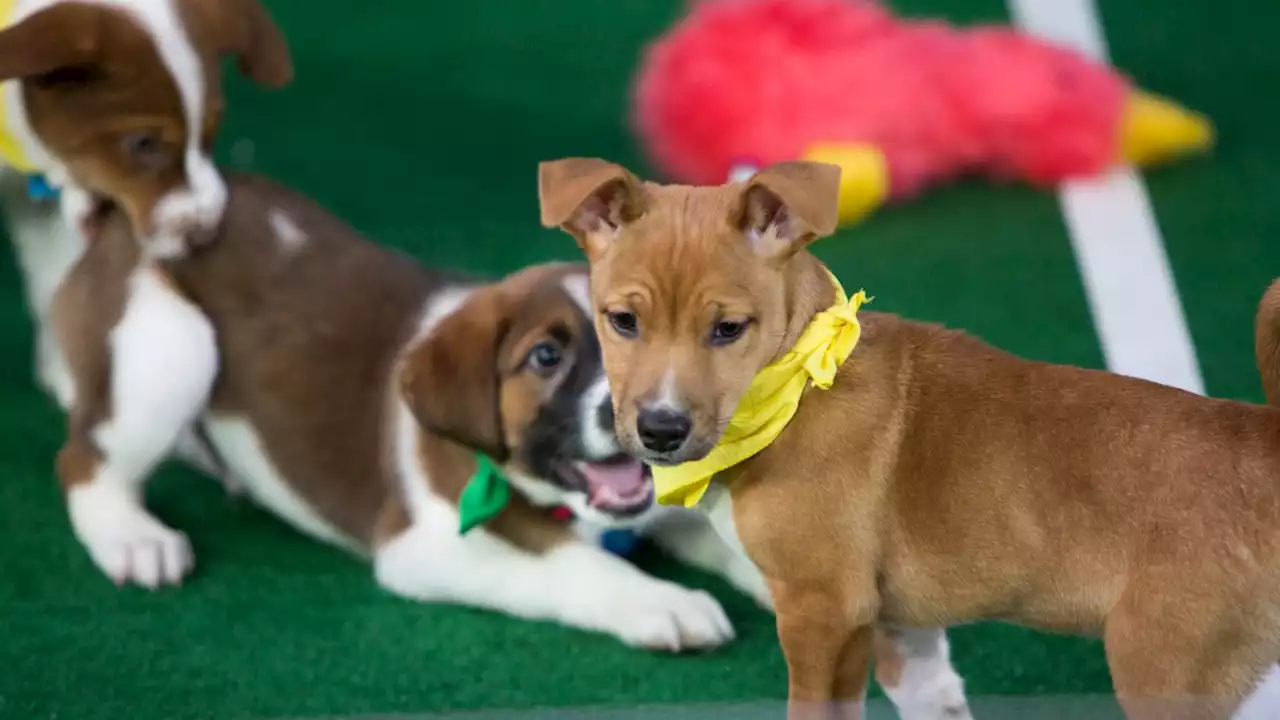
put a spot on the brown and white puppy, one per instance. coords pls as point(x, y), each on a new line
point(119, 101)
point(939, 480)
point(348, 391)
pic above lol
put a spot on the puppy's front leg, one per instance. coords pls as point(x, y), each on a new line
point(569, 581)
point(828, 654)
point(134, 388)
point(913, 665)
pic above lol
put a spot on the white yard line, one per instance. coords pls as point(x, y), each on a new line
point(1127, 279)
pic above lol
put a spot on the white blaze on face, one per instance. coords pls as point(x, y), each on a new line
point(599, 441)
point(668, 397)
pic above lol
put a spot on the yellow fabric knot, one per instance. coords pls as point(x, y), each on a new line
point(771, 400)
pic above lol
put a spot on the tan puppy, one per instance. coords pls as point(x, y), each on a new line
point(939, 480)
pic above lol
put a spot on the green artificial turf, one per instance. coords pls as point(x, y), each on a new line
point(422, 123)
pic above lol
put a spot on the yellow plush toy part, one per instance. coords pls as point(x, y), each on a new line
point(1153, 131)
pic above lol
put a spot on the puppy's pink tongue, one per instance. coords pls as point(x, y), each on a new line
point(615, 483)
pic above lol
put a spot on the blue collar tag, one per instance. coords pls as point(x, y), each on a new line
point(39, 189)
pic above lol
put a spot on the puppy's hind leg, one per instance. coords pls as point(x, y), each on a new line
point(136, 389)
point(913, 666)
point(1179, 653)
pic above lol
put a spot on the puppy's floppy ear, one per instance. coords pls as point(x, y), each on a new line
point(786, 206)
point(62, 36)
point(589, 198)
point(261, 51)
point(245, 30)
point(450, 378)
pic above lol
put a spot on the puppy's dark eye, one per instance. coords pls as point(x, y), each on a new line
point(147, 150)
point(544, 357)
point(624, 323)
point(726, 331)
point(72, 76)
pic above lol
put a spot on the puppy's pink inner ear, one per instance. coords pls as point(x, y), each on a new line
point(605, 210)
point(768, 223)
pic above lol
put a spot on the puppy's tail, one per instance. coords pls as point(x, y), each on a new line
point(1267, 343)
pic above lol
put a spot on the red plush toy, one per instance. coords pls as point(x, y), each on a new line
point(899, 104)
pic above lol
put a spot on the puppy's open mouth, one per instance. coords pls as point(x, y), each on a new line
point(620, 485)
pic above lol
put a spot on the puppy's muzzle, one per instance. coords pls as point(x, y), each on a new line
point(662, 430)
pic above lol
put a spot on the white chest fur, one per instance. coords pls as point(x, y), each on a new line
point(717, 504)
point(719, 509)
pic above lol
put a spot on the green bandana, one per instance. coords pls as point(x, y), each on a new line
point(486, 493)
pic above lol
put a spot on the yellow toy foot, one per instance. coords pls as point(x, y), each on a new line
point(864, 177)
point(1155, 130)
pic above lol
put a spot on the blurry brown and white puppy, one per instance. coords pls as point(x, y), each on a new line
point(939, 480)
point(117, 103)
point(353, 392)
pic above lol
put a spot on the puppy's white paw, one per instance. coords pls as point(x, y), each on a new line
point(953, 709)
point(126, 542)
point(938, 698)
point(142, 551)
point(665, 616)
point(940, 712)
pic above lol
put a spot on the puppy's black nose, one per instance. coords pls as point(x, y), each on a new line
point(662, 429)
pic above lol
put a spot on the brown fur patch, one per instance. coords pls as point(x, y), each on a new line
point(125, 88)
point(77, 462)
point(470, 382)
point(307, 342)
point(1267, 343)
point(93, 81)
point(456, 394)
point(81, 315)
point(393, 520)
point(242, 29)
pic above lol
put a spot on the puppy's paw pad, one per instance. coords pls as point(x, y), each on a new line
point(674, 619)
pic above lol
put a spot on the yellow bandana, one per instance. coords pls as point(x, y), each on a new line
point(771, 400)
point(11, 150)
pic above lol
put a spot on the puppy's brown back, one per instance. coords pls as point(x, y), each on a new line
point(993, 486)
point(309, 318)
